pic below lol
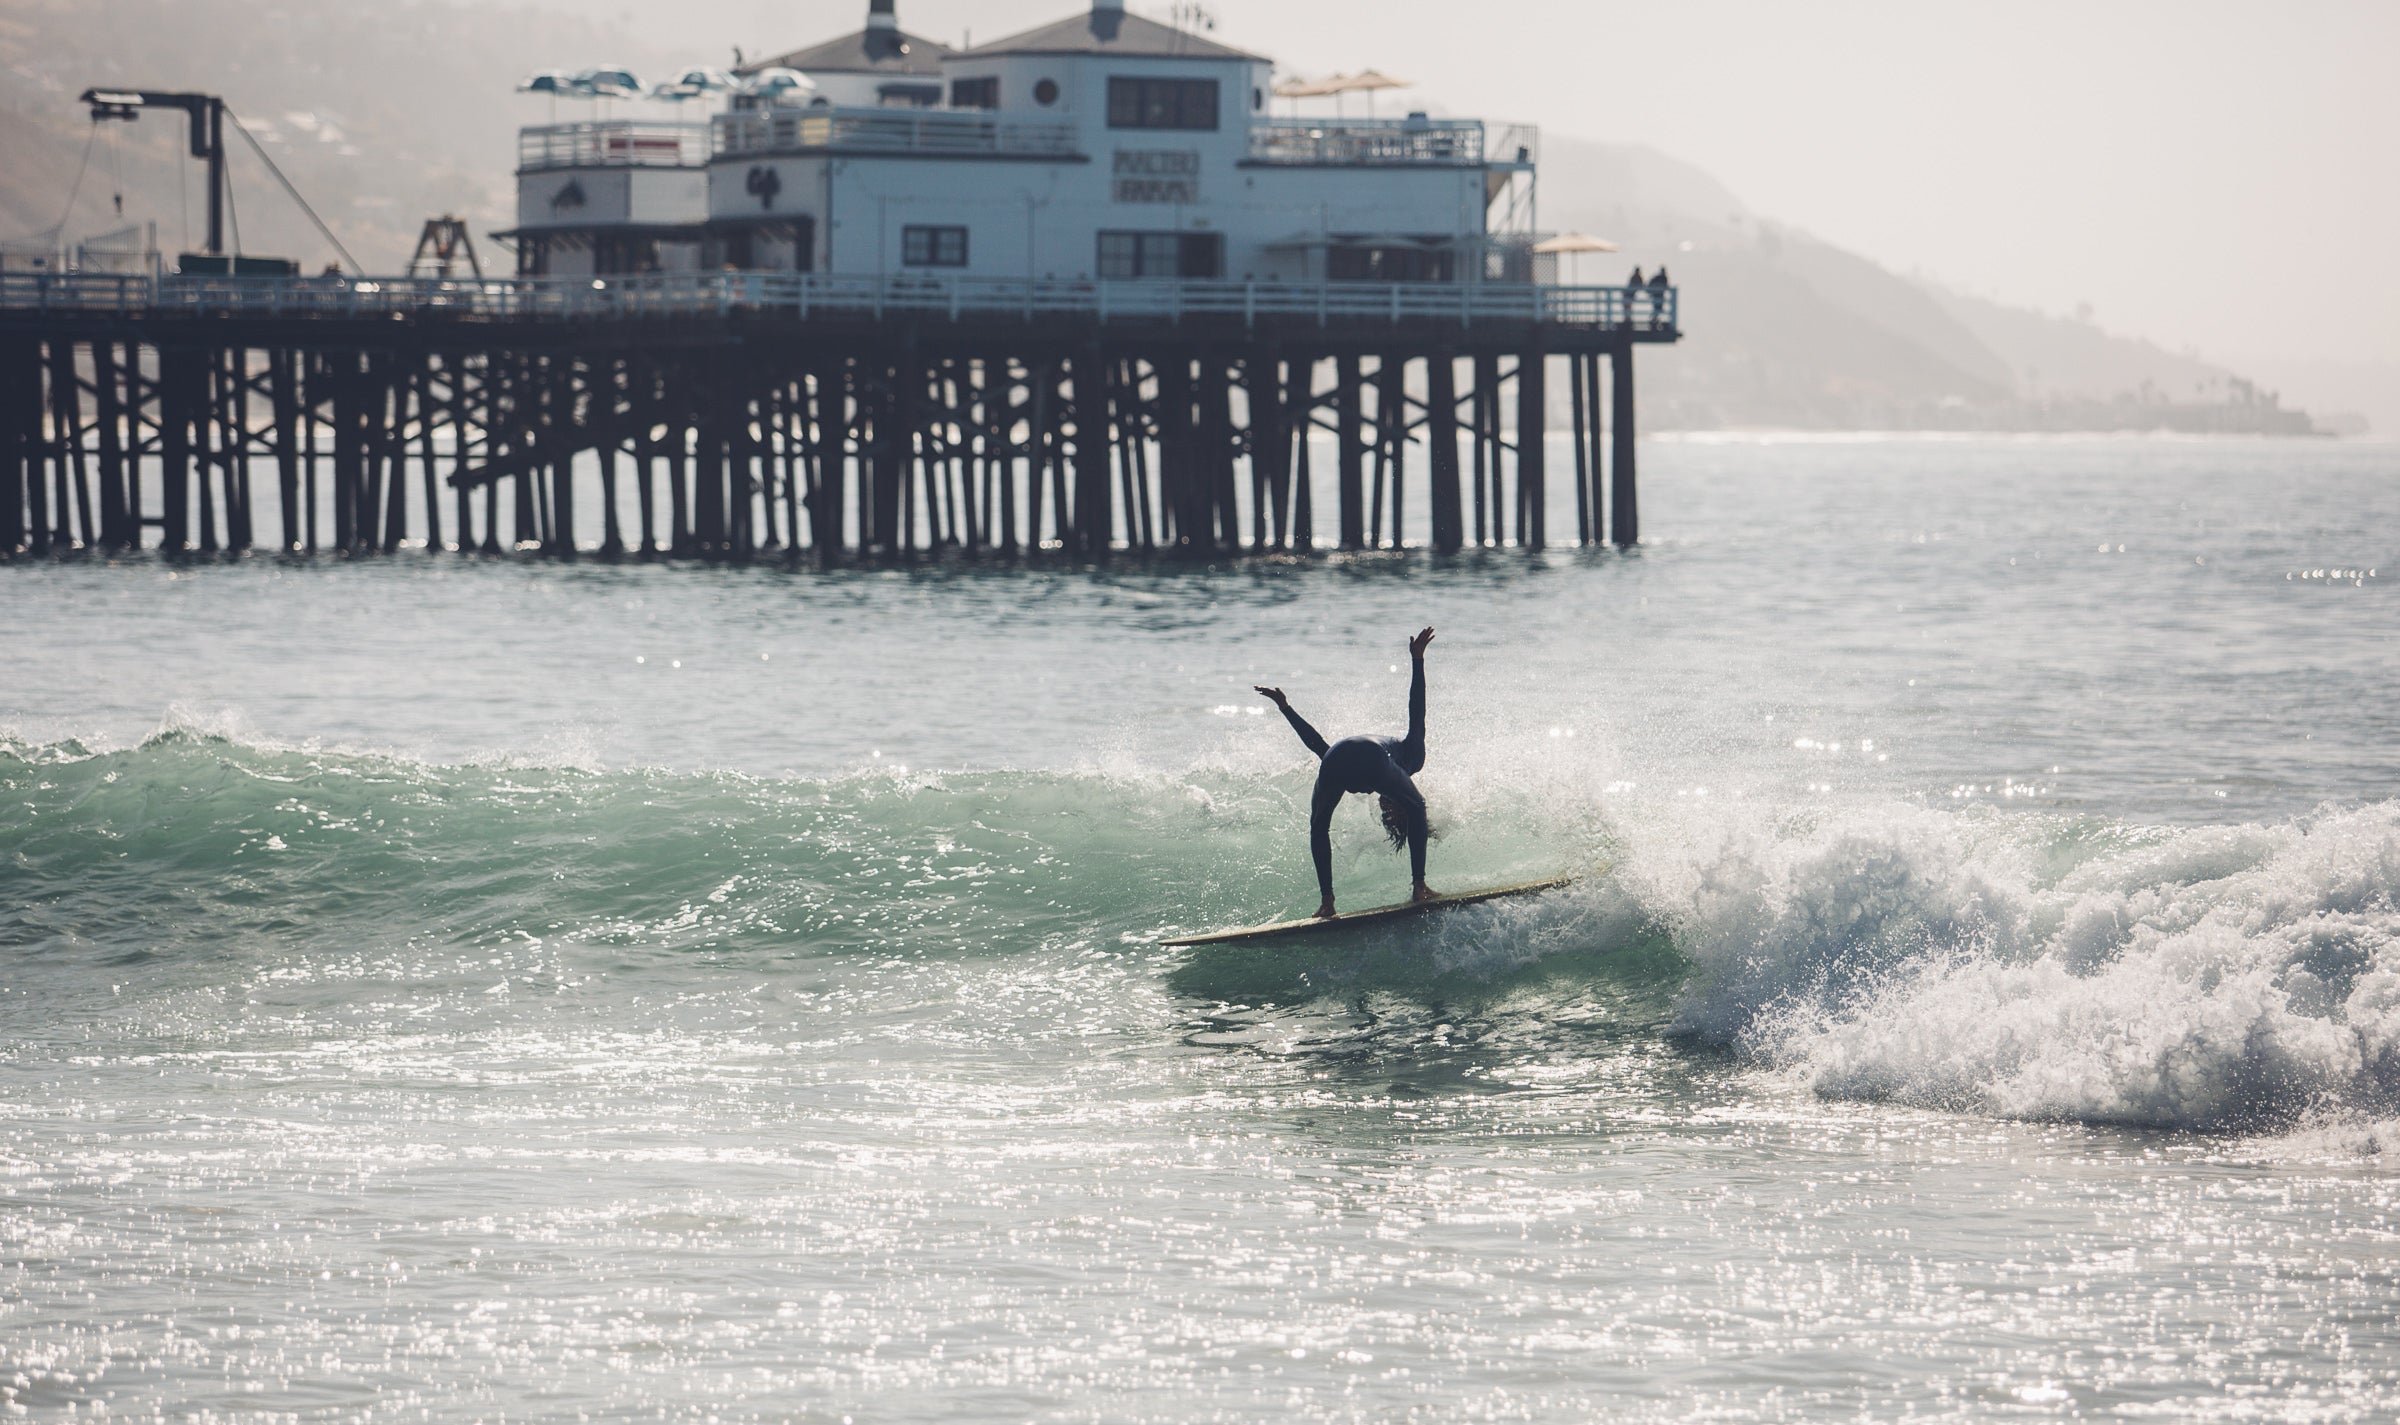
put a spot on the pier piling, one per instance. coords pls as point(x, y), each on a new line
point(816, 439)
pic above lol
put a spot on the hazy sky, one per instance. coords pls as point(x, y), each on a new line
point(2224, 176)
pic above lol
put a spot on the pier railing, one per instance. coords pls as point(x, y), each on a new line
point(615, 143)
point(947, 131)
point(1366, 141)
point(806, 296)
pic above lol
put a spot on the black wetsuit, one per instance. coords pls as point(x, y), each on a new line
point(1381, 765)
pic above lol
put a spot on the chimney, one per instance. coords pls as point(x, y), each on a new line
point(1108, 7)
point(1108, 16)
point(880, 15)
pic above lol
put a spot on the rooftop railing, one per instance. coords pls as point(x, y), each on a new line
point(612, 144)
point(1366, 141)
point(954, 131)
point(807, 296)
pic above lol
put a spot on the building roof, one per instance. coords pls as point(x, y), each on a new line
point(1111, 34)
point(866, 52)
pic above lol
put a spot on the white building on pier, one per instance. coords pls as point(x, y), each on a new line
point(1104, 147)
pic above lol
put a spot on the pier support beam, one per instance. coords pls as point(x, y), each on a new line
point(1533, 399)
point(107, 387)
point(1624, 514)
point(180, 377)
point(1350, 453)
point(1441, 405)
point(20, 440)
point(1095, 519)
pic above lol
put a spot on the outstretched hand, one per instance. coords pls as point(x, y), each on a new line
point(1272, 695)
point(1416, 645)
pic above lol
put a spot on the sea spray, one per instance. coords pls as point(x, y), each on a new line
point(2225, 978)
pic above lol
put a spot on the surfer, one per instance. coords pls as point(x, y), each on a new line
point(1381, 765)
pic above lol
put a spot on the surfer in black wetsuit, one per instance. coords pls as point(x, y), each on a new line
point(1382, 765)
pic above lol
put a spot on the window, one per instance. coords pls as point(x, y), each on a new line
point(1162, 103)
point(933, 247)
point(1124, 255)
point(975, 93)
point(1390, 264)
point(1045, 93)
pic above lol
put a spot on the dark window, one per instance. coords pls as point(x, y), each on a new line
point(1045, 93)
point(933, 247)
point(1124, 255)
point(975, 93)
point(1390, 264)
point(1162, 103)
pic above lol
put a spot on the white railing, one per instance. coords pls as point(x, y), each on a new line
point(612, 144)
point(1366, 141)
point(807, 296)
point(959, 131)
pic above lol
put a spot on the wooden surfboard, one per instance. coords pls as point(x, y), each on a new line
point(1284, 929)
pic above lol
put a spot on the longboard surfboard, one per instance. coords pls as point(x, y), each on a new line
point(1284, 929)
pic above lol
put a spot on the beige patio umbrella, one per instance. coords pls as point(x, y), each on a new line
point(1367, 81)
point(1573, 245)
point(1334, 86)
point(1297, 88)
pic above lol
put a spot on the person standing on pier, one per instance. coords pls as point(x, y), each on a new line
point(1381, 765)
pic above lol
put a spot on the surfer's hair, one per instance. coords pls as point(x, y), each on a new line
point(1399, 820)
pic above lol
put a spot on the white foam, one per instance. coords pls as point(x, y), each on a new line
point(2244, 977)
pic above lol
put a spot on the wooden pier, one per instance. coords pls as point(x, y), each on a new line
point(744, 416)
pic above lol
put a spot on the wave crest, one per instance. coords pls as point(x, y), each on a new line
point(2244, 978)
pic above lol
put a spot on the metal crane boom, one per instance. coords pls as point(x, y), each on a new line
point(207, 128)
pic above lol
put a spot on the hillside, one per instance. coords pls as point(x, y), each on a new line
point(385, 115)
point(1790, 331)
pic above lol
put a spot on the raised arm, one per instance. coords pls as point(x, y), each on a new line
point(1411, 754)
point(1309, 736)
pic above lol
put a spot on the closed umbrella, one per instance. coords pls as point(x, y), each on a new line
point(609, 81)
point(777, 83)
point(550, 83)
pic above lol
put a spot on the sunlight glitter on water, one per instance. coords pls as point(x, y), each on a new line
point(775, 1029)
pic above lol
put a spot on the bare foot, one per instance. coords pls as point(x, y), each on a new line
point(1326, 911)
point(1423, 892)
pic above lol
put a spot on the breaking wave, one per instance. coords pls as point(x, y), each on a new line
point(2238, 978)
point(2242, 978)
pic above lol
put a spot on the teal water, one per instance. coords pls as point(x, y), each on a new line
point(438, 989)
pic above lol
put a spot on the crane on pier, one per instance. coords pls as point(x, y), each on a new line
point(207, 129)
point(207, 116)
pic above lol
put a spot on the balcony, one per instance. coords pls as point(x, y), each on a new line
point(1367, 142)
point(612, 144)
point(964, 132)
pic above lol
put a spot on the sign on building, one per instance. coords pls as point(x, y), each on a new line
point(1157, 175)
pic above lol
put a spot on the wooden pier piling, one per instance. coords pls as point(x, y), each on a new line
point(777, 437)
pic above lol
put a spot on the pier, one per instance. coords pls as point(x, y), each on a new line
point(1077, 289)
point(745, 415)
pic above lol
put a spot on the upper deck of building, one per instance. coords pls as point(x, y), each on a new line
point(643, 143)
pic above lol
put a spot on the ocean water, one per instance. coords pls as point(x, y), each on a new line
point(476, 990)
